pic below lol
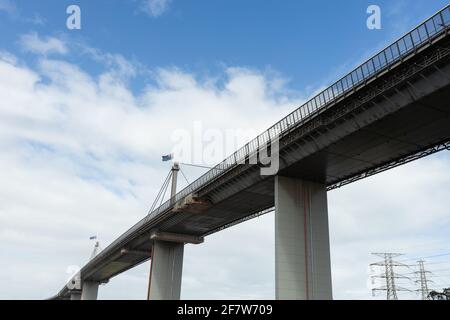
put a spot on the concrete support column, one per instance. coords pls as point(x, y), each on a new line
point(302, 246)
point(89, 290)
point(166, 270)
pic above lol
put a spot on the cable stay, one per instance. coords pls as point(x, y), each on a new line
point(200, 166)
point(170, 179)
point(162, 192)
point(187, 181)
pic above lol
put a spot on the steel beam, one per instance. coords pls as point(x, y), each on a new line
point(175, 237)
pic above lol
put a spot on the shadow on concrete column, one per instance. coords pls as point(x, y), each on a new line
point(89, 290)
point(75, 295)
point(302, 246)
point(166, 271)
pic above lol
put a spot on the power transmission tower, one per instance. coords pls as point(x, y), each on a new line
point(389, 275)
point(423, 281)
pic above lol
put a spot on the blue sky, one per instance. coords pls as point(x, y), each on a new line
point(309, 42)
point(90, 112)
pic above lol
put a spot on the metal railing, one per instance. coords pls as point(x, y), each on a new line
point(373, 67)
point(394, 53)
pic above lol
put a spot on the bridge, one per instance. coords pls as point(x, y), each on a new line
point(392, 109)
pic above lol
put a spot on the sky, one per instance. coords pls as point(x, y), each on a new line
point(85, 116)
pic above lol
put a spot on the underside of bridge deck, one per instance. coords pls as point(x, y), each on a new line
point(403, 121)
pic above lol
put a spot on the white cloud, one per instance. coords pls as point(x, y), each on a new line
point(8, 6)
point(7, 57)
point(32, 42)
point(13, 11)
point(81, 156)
point(116, 63)
point(155, 8)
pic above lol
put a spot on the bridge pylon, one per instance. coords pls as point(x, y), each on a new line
point(167, 259)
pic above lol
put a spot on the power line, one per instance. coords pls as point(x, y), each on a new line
point(439, 262)
point(441, 275)
point(439, 270)
point(428, 244)
point(428, 257)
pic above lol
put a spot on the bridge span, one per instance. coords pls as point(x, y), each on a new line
point(392, 109)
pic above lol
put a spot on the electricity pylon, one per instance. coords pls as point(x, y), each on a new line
point(389, 275)
point(423, 281)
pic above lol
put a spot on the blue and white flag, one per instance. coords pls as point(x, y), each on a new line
point(92, 237)
point(167, 157)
